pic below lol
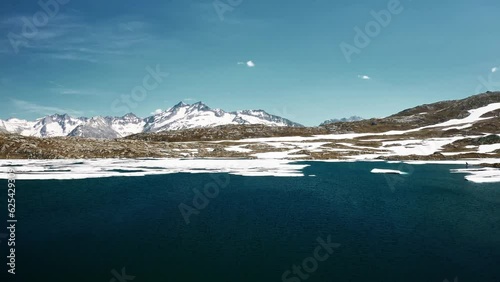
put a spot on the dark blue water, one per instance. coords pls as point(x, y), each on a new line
point(428, 226)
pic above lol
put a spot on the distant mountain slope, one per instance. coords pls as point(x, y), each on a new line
point(181, 116)
point(349, 119)
point(446, 110)
point(425, 115)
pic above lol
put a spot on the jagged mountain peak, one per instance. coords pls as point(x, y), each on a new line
point(198, 105)
point(130, 115)
point(59, 116)
point(180, 105)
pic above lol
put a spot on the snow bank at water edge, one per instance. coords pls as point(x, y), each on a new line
point(480, 175)
point(97, 168)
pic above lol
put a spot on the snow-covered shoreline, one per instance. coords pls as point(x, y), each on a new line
point(480, 175)
point(282, 155)
point(100, 168)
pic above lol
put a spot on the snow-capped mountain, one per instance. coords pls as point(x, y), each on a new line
point(127, 125)
point(96, 127)
point(180, 116)
point(49, 126)
point(110, 127)
point(14, 125)
point(56, 125)
point(184, 116)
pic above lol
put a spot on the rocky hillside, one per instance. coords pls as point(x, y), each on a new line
point(424, 115)
point(228, 132)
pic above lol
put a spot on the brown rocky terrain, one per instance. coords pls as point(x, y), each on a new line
point(228, 132)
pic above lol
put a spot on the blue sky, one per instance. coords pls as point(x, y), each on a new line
point(280, 56)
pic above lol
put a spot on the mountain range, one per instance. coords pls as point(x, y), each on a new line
point(466, 129)
point(198, 121)
point(180, 116)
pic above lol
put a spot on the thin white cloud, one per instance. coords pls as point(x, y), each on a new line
point(249, 64)
point(69, 37)
point(69, 91)
point(158, 111)
point(495, 69)
point(73, 57)
point(56, 84)
point(42, 110)
point(364, 77)
point(189, 99)
point(132, 25)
